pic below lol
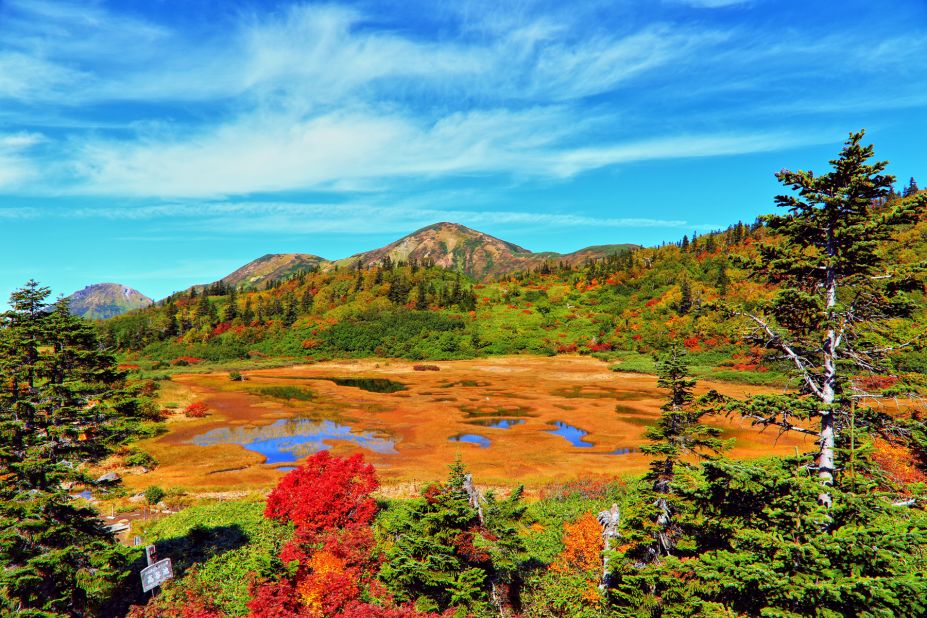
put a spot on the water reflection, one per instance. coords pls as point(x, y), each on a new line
point(471, 438)
point(573, 435)
point(288, 440)
point(374, 385)
point(498, 423)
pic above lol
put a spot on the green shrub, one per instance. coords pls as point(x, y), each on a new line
point(154, 494)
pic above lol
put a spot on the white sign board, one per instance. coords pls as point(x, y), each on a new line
point(157, 574)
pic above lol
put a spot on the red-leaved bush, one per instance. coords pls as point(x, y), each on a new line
point(331, 558)
point(197, 409)
point(325, 493)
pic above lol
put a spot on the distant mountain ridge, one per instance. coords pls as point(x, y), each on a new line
point(105, 300)
point(449, 245)
point(479, 255)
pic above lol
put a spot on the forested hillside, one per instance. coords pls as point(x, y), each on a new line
point(623, 307)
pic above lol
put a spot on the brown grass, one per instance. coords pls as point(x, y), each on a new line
point(577, 390)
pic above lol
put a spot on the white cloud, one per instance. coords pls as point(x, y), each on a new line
point(236, 217)
point(16, 166)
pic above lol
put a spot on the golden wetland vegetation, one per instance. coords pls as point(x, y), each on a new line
point(532, 420)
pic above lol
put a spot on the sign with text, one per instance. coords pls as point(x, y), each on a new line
point(157, 574)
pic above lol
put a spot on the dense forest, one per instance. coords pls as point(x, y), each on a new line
point(826, 296)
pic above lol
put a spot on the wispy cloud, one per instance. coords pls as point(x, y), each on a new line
point(16, 166)
point(325, 97)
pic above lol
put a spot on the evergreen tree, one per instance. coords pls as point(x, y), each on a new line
point(679, 432)
point(63, 405)
point(911, 189)
point(421, 301)
point(723, 280)
point(452, 547)
point(306, 301)
point(247, 314)
point(173, 327)
point(231, 308)
point(205, 311)
point(834, 296)
point(290, 312)
point(685, 299)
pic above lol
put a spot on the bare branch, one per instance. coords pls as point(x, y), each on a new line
point(784, 425)
point(780, 343)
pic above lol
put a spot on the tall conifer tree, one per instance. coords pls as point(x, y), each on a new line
point(63, 405)
point(829, 316)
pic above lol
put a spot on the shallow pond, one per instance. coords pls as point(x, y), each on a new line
point(472, 438)
point(288, 440)
point(573, 435)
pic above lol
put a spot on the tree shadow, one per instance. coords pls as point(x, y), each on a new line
point(200, 544)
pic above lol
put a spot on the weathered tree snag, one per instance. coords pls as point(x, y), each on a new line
point(609, 521)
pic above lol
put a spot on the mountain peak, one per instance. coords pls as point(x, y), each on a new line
point(105, 300)
point(270, 267)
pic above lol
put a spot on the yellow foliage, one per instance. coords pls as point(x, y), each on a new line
point(323, 562)
point(582, 545)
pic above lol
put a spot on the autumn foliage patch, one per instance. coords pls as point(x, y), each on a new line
point(197, 409)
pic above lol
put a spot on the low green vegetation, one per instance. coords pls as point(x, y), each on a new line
point(297, 393)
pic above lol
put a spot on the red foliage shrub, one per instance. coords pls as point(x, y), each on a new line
point(876, 383)
point(366, 610)
point(331, 560)
point(599, 347)
point(692, 343)
point(197, 409)
point(652, 302)
point(567, 348)
point(325, 493)
point(186, 360)
point(276, 600)
point(463, 545)
point(221, 328)
point(637, 337)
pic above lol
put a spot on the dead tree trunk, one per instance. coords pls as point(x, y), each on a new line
point(609, 521)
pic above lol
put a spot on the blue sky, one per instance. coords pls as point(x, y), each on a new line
point(160, 144)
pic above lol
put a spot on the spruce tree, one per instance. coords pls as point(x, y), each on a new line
point(678, 433)
point(290, 311)
point(421, 300)
point(685, 299)
point(231, 308)
point(63, 406)
point(830, 315)
point(247, 314)
point(452, 547)
point(306, 301)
